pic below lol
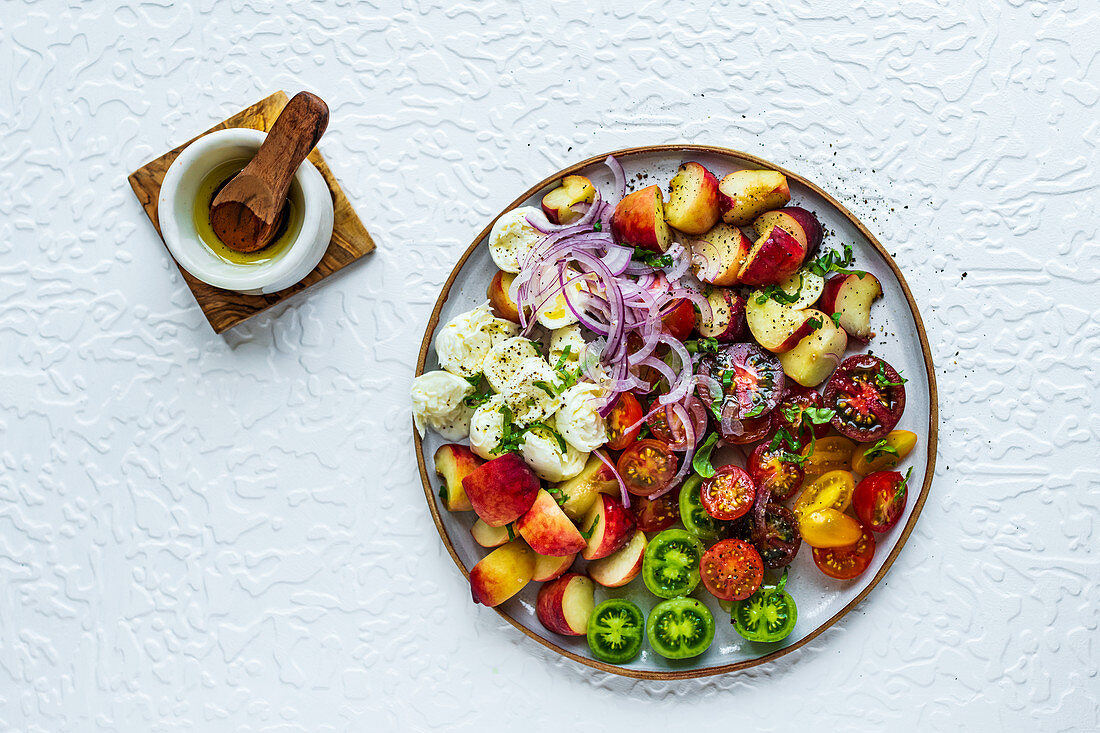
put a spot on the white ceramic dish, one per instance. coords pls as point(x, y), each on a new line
point(901, 341)
point(177, 201)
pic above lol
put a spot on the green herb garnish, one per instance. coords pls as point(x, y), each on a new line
point(700, 462)
point(588, 534)
point(830, 261)
point(880, 448)
point(480, 395)
point(883, 380)
point(652, 259)
point(708, 345)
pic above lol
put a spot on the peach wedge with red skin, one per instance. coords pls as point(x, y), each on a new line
point(558, 204)
point(815, 357)
point(501, 490)
point(726, 319)
point(502, 573)
point(548, 568)
point(776, 326)
point(851, 296)
point(500, 302)
point(547, 530)
point(744, 195)
point(579, 493)
point(692, 206)
point(639, 221)
point(718, 254)
point(622, 566)
point(609, 525)
point(454, 462)
point(774, 257)
point(801, 224)
point(564, 605)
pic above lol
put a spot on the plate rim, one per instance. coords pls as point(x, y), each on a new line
point(933, 414)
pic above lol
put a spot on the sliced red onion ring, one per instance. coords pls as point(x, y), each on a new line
point(619, 174)
point(622, 486)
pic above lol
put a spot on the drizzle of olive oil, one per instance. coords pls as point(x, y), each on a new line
point(288, 231)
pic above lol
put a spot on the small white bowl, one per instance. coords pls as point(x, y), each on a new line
point(177, 202)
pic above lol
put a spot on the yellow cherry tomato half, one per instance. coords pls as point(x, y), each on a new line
point(832, 490)
point(828, 454)
point(883, 455)
point(829, 528)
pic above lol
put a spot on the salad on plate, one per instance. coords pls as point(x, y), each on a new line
point(626, 342)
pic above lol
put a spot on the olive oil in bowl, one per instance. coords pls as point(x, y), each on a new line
point(288, 231)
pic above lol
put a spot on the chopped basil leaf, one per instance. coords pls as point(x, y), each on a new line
point(652, 259)
point(700, 462)
point(880, 448)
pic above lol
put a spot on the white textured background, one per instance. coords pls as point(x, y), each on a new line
point(211, 534)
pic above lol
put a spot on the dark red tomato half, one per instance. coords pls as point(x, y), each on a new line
point(751, 379)
point(845, 563)
point(680, 319)
point(728, 494)
point(626, 412)
point(868, 396)
point(779, 540)
point(731, 570)
point(659, 425)
point(647, 466)
point(770, 471)
point(879, 499)
point(656, 515)
point(744, 432)
point(790, 414)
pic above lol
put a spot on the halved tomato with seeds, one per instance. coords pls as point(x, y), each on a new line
point(791, 413)
point(657, 515)
point(845, 563)
point(626, 413)
point(679, 319)
point(731, 570)
point(728, 494)
point(769, 470)
point(647, 466)
point(751, 378)
point(779, 540)
point(867, 396)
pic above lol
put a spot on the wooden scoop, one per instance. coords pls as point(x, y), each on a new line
point(247, 212)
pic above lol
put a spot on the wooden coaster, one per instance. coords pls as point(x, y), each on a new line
point(225, 308)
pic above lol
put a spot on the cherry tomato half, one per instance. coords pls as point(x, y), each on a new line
point(828, 454)
point(883, 454)
point(829, 490)
point(868, 397)
point(752, 380)
point(728, 494)
point(845, 563)
point(829, 528)
point(647, 466)
point(680, 319)
point(670, 565)
point(659, 425)
point(750, 430)
point(791, 412)
point(879, 499)
point(732, 570)
point(680, 628)
point(616, 629)
point(626, 412)
point(779, 540)
point(769, 470)
point(693, 515)
point(656, 515)
point(768, 615)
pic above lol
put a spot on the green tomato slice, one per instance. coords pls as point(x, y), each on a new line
point(768, 615)
point(670, 566)
point(680, 628)
point(615, 631)
point(695, 518)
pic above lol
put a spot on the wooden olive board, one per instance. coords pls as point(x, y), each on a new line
point(821, 600)
point(225, 308)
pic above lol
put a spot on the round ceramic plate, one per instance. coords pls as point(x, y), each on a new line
point(901, 341)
